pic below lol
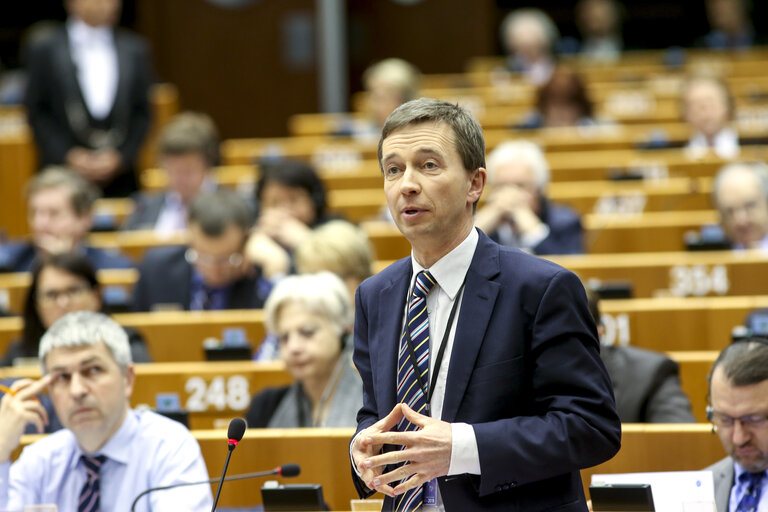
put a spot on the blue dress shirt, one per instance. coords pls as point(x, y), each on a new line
point(148, 450)
point(739, 488)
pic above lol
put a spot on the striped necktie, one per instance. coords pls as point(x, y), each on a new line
point(751, 497)
point(89, 495)
point(413, 378)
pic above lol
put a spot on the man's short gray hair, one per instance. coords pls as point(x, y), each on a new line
point(322, 293)
point(86, 328)
point(519, 151)
point(467, 132)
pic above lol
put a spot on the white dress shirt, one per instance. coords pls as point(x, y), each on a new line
point(725, 144)
point(95, 57)
point(148, 450)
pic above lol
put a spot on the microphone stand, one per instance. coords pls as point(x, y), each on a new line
point(231, 447)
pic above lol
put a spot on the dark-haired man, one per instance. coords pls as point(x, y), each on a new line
point(490, 379)
point(738, 391)
point(210, 272)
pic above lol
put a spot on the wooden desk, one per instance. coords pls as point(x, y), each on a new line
point(171, 335)
point(679, 274)
point(691, 323)
point(645, 447)
point(695, 366)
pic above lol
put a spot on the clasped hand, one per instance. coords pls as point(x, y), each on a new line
point(427, 451)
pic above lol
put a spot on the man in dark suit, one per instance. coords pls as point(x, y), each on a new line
point(738, 392)
point(211, 272)
point(646, 384)
point(60, 204)
point(517, 212)
point(493, 388)
point(87, 96)
point(188, 149)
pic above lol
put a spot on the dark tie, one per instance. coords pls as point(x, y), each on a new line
point(89, 496)
point(410, 386)
point(751, 496)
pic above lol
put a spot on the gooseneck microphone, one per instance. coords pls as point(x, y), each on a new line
point(235, 433)
point(286, 470)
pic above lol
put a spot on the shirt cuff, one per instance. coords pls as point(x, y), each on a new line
point(464, 455)
point(351, 459)
point(535, 237)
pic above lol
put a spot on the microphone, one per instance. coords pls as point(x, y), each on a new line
point(235, 433)
point(286, 470)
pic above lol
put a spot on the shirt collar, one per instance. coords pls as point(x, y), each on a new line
point(117, 447)
point(83, 34)
point(449, 271)
point(738, 471)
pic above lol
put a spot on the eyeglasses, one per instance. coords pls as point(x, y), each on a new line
point(749, 422)
point(73, 293)
point(749, 208)
point(195, 258)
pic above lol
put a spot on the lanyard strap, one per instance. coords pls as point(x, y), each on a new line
point(439, 359)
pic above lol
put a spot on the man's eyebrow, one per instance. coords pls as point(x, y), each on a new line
point(82, 363)
point(420, 151)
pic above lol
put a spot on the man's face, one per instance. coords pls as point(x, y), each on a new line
point(96, 13)
point(743, 208)
point(90, 392)
point(520, 175)
point(706, 107)
point(383, 98)
point(429, 192)
point(52, 217)
point(186, 174)
point(747, 445)
point(220, 259)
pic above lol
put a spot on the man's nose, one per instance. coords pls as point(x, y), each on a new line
point(409, 183)
point(77, 386)
point(740, 435)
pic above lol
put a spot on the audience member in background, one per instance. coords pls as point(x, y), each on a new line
point(59, 206)
point(599, 22)
point(209, 273)
point(87, 96)
point(339, 247)
point(517, 212)
point(291, 202)
point(738, 397)
point(188, 149)
point(707, 107)
point(646, 384)
point(107, 453)
point(530, 38)
point(61, 283)
point(562, 101)
point(731, 28)
point(740, 194)
point(311, 316)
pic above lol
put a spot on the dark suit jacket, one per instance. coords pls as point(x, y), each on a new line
point(19, 257)
point(146, 211)
point(723, 474)
point(647, 386)
point(58, 114)
point(565, 230)
point(165, 277)
point(525, 372)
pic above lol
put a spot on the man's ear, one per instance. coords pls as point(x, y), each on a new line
point(130, 379)
point(477, 182)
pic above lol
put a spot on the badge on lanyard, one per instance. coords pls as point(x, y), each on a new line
point(430, 493)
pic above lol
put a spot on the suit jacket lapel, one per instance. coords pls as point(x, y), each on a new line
point(391, 307)
point(477, 304)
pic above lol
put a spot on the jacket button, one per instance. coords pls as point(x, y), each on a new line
point(498, 487)
point(512, 484)
point(506, 487)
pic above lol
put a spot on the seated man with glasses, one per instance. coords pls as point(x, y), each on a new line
point(740, 194)
point(210, 273)
point(738, 391)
